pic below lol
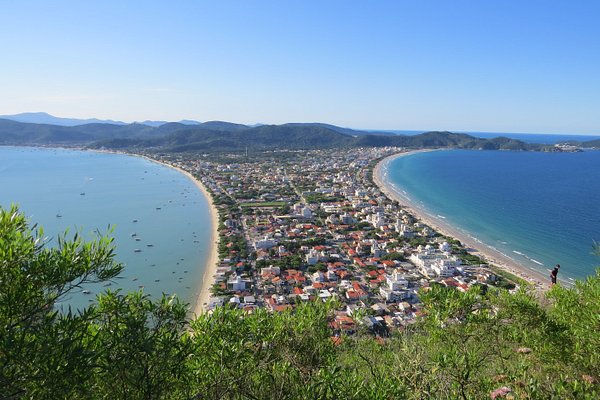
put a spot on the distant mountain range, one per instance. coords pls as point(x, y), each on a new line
point(227, 136)
point(47, 119)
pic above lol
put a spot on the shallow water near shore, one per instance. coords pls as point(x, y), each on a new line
point(538, 209)
point(151, 208)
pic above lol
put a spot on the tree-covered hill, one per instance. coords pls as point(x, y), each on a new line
point(474, 345)
point(591, 144)
point(225, 136)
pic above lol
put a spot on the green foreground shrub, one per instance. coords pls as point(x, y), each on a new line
point(128, 346)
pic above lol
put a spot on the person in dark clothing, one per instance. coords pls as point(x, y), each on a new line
point(554, 274)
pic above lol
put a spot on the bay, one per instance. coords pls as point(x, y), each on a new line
point(539, 208)
point(149, 207)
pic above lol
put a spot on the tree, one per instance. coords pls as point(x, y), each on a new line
point(43, 350)
point(130, 346)
point(141, 346)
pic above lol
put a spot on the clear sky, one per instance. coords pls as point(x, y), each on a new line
point(502, 66)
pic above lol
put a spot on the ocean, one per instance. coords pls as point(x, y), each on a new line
point(149, 207)
point(540, 209)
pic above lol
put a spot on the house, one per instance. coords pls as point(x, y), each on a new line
point(237, 284)
point(265, 243)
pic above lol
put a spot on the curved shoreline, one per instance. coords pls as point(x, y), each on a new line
point(202, 294)
point(493, 257)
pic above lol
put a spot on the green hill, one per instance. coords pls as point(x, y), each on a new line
point(225, 136)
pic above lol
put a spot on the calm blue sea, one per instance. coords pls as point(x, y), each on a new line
point(86, 191)
point(539, 208)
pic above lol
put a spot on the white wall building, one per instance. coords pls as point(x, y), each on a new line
point(265, 243)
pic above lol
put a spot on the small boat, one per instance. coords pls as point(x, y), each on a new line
point(137, 239)
point(82, 194)
point(134, 234)
point(137, 251)
point(58, 216)
point(135, 220)
point(149, 245)
point(86, 292)
point(158, 208)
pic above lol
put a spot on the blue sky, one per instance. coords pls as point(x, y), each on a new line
point(502, 66)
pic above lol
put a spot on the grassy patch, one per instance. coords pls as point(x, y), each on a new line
point(507, 275)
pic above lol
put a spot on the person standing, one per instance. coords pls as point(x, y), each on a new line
point(554, 274)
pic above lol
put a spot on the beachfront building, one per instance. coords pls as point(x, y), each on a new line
point(403, 229)
point(238, 284)
point(433, 262)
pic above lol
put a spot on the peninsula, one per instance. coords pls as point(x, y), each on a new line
point(294, 226)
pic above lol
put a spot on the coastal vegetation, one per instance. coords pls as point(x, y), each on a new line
point(467, 345)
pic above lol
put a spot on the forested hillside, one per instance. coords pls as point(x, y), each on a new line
point(224, 136)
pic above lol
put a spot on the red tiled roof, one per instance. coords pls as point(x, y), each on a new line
point(298, 290)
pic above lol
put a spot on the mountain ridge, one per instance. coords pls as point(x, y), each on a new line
point(227, 136)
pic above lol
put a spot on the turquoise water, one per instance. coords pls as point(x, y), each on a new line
point(538, 208)
point(93, 190)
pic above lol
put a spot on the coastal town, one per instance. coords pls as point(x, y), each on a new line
point(299, 226)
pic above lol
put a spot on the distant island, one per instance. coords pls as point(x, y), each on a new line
point(219, 136)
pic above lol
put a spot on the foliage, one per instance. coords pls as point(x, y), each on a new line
point(217, 137)
point(41, 350)
point(130, 346)
point(264, 204)
point(394, 256)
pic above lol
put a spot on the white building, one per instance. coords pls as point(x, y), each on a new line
point(312, 257)
point(396, 281)
point(376, 250)
point(237, 284)
point(432, 262)
point(404, 230)
point(390, 295)
point(265, 243)
point(445, 247)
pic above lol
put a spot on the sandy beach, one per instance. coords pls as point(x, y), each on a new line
point(202, 295)
point(492, 256)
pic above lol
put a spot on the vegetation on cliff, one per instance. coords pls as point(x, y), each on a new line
point(127, 346)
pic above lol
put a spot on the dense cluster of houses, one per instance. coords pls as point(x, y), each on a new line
point(318, 228)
